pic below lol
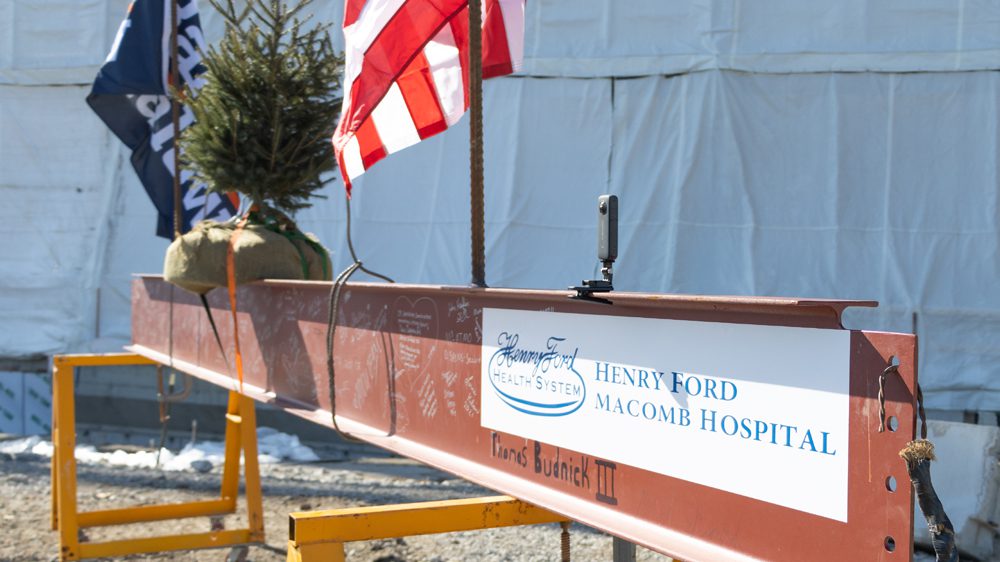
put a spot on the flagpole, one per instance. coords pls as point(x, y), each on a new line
point(476, 142)
point(173, 90)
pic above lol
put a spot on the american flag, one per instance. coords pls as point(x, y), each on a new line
point(405, 71)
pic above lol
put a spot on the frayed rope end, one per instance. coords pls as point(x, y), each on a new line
point(918, 450)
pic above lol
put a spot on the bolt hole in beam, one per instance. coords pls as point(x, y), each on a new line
point(892, 423)
point(890, 544)
point(890, 483)
point(894, 361)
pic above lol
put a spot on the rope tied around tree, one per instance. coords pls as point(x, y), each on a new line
point(279, 223)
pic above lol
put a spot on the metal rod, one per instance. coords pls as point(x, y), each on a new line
point(564, 543)
point(251, 469)
point(476, 143)
point(143, 513)
point(173, 90)
point(622, 550)
point(173, 87)
point(144, 545)
point(63, 453)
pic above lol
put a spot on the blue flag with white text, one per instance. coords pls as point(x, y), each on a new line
point(130, 96)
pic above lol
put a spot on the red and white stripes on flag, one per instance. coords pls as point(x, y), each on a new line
point(405, 71)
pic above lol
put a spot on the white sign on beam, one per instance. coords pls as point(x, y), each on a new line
point(759, 411)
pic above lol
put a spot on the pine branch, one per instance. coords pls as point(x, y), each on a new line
point(269, 107)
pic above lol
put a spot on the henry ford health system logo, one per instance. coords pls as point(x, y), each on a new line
point(534, 381)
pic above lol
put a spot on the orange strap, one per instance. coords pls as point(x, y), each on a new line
point(231, 282)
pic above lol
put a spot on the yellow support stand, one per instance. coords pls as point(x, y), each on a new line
point(319, 536)
point(241, 435)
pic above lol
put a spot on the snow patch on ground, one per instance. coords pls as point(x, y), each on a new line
point(273, 446)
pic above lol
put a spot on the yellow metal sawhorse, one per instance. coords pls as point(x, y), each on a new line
point(319, 536)
point(241, 435)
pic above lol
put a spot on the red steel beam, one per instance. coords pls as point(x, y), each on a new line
point(408, 376)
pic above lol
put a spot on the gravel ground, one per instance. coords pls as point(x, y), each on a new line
point(362, 476)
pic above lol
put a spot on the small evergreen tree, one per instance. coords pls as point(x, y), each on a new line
point(266, 114)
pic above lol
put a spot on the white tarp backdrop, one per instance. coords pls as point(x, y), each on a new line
point(844, 150)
